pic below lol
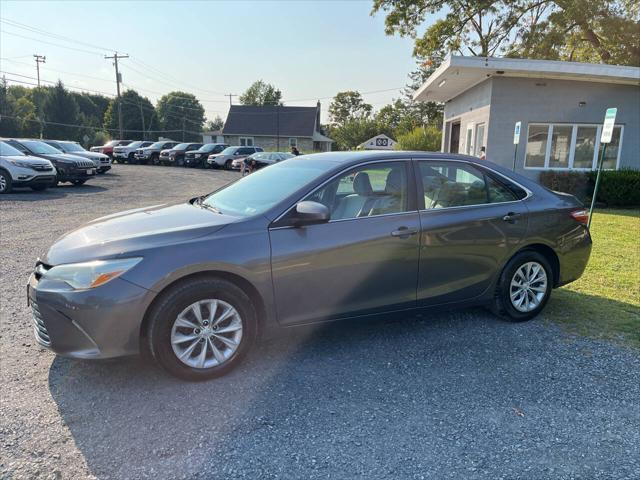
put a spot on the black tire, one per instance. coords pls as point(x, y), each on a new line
point(6, 185)
point(39, 188)
point(78, 183)
point(502, 305)
point(155, 159)
point(130, 158)
point(227, 164)
point(173, 302)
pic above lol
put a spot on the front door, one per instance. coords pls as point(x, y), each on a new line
point(364, 260)
point(470, 224)
point(454, 143)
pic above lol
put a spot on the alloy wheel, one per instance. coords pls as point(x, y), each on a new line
point(206, 334)
point(3, 183)
point(528, 287)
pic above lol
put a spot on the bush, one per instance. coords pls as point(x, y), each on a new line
point(421, 138)
point(618, 188)
point(575, 183)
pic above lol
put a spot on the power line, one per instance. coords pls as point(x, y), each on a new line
point(49, 43)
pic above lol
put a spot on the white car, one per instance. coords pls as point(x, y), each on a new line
point(20, 170)
point(125, 153)
point(228, 155)
point(102, 161)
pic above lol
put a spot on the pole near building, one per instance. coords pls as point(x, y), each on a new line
point(230, 95)
point(605, 139)
point(516, 141)
point(115, 58)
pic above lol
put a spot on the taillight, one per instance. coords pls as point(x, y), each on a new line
point(581, 215)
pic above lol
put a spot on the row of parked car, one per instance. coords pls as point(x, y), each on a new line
point(187, 154)
point(39, 164)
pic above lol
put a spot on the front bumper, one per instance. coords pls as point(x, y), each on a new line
point(69, 175)
point(193, 161)
point(36, 180)
point(99, 323)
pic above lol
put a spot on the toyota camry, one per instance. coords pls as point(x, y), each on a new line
point(321, 237)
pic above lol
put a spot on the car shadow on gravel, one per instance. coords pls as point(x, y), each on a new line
point(445, 395)
point(61, 191)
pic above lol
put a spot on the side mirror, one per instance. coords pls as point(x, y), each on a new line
point(310, 213)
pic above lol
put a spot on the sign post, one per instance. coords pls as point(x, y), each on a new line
point(516, 141)
point(605, 138)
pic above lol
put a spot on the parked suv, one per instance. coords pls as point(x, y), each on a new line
point(102, 161)
point(20, 170)
point(108, 147)
point(151, 154)
point(69, 168)
point(175, 155)
point(228, 155)
point(198, 158)
point(125, 153)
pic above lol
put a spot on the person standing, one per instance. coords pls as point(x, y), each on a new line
point(295, 151)
point(483, 155)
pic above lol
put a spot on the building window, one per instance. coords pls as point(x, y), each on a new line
point(570, 146)
point(479, 139)
point(468, 147)
point(246, 141)
point(293, 142)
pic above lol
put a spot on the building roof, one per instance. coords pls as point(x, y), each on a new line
point(271, 121)
point(457, 74)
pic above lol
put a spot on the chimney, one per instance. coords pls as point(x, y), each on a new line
point(318, 116)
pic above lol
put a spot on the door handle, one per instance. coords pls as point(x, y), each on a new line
point(404, 232)
point(511, 217)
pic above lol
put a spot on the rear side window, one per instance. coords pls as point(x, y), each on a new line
point(456, 184)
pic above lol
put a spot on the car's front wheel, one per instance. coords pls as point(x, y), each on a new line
point(5, 182)
point(202, 328)
point(524, 287)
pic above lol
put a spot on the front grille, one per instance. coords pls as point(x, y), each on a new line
point(39, 328)
point(85, 164)
point(42, 167)
point(104, 160)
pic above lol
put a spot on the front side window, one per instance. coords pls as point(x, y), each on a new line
point(40, 148)
point(246, 151)
point(454, 184)
point(375, 189)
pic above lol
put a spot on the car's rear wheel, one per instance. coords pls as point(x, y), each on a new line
point(155, 159)
point(524, 287)
point(77, 183)
point(5, 182)
point(202, 328)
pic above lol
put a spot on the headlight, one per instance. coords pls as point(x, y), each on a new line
point(21, 163)
point(81, 276)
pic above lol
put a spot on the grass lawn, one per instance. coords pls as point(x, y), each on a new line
point(605, 301)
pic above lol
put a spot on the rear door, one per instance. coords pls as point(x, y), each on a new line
point(364, 260)
point(471, 222)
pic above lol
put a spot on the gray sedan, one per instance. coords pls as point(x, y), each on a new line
point(320, 237)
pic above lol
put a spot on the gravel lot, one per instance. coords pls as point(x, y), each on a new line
point(452, 395)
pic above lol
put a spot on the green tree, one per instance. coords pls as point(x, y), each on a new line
point(353, 132)
point(261, 93)
point(347, 106)
point(60, 112)
point(605, 30)
point(421, 138)
point(215, 124)
point(9, 124)
point(181, 116)
point(138, 116)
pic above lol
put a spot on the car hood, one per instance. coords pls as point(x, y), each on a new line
point(135, 230)
point(28, 159)
point(91, 155)
point(62, 157)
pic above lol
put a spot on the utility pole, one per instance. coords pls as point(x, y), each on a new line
point(115, 58)
point(39, 59)
point(144, 136)
point(277, 127)
point(183, 122)
point(230, 95)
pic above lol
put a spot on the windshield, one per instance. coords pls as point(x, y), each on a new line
point(208, 147)
point(7, 150)
point(134, 145)
point(111, 143)
point(181, 146)
point(71, 147)
point(263, 189)
point(40, 148)
point(228, 151)
point(157, 145)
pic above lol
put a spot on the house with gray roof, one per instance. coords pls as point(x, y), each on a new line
point(560, 107)
point(276, 127)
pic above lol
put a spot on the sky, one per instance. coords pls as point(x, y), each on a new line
point(310, 50)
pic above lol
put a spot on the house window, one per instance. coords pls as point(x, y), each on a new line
point(570, 146)
point(293, 142)
point(479, 139)
point(469, 140)
point(246, 141)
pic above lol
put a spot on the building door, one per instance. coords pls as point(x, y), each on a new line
point(454, 143)
point(479, 139)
